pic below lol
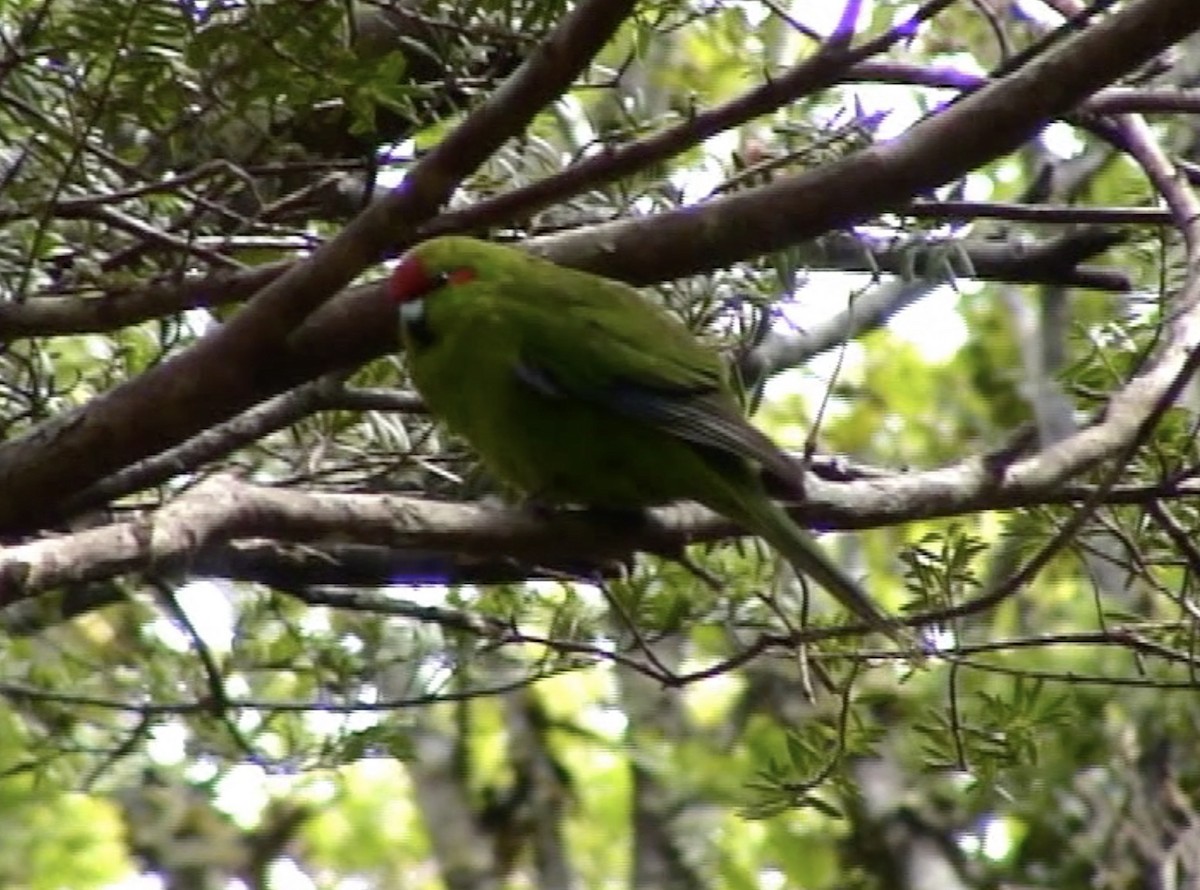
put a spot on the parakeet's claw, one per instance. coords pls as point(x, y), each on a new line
point(623, 518)
point(540, 508)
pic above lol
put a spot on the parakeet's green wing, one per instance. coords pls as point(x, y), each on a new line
point(679, 387)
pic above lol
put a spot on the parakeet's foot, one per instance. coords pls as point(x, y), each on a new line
point(613, 517)
point(542, 509)
point(624, 518)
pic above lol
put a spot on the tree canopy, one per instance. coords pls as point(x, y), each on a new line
point(264, 623)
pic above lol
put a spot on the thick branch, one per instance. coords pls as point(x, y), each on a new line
point(1026, 262)
point(222, 509)
point(434, 542)
point(937, 150)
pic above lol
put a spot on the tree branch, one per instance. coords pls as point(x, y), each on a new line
point(884, 176)
point(222, 527)
point(1024, 262)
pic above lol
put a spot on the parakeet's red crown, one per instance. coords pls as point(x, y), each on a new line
point(412, 278)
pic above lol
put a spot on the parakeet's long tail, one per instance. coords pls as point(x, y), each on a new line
point(768, 519)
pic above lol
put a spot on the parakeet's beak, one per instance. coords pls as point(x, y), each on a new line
point(412, 311)
point(414, 323)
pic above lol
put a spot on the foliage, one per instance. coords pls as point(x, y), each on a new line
point(263, 621)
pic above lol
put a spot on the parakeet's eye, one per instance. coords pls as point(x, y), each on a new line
point(461, 275)
point(444, 277)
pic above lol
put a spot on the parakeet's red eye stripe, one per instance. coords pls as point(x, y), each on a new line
point(462, 275)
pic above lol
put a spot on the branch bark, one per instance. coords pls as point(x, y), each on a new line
point(1055, 260)
point(221, 525)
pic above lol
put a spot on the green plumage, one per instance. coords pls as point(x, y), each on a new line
point(575, 389)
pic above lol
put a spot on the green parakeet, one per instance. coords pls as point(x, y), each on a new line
point(575, 389)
